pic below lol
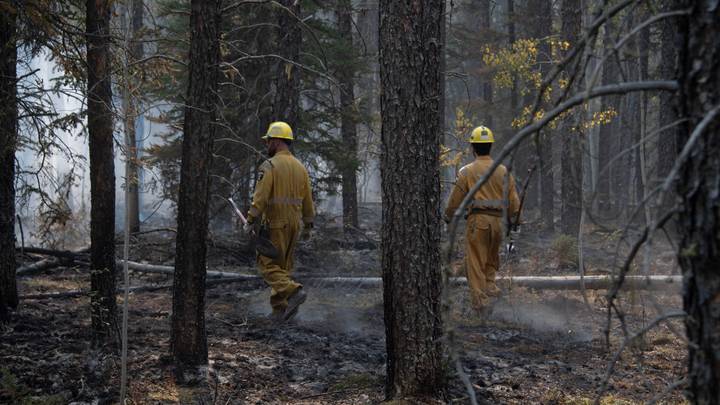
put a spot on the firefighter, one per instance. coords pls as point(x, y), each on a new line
point(282, 203)
point(483, 234)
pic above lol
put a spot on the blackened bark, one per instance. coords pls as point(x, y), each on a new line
point(102, 173)
point(189, 340)
point(512, 37)
point(699, 219)
point(411, 60)
point(346, 77)
point(286, 103)
point(608, 131)
point(487, 91)
point(539, 27)
point(132, 183)
point(8, 139)
point(667, 143)
point(572, 156)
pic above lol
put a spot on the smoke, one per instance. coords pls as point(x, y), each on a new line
point(558, 317)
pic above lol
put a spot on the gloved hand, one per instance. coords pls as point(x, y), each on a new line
point(306, 234)
point(248, 228)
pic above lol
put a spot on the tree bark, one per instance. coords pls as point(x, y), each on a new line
point(572, 154)
point(539, 13)
point(607, 131)
point(667, 142)
point(411, 60)
point(102, 173)
point(486, 29)
point(188, 339)
point(286, 104)
point(346, 77)
point(697, 188)
point(132, 182)
point(8, 139)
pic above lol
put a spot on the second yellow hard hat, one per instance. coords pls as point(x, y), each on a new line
point(279, 130)
point(482, 134)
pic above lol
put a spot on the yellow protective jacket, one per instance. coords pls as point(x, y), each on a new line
point(496, 194)
point(283, 194)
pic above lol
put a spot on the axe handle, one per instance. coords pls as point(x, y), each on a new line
point(237, 210)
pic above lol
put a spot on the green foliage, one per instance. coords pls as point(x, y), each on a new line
point(565, 250)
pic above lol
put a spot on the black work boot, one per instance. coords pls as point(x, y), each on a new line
point(294, 302)
point(276, 317)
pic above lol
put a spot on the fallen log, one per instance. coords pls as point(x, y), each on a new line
point(68, 254)
point(157, 269)
point(567, 283)
point(38, 267)
point(120, 290)
point(595, 282)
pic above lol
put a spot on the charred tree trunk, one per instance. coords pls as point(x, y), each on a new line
point(286, 104)
point(411, 61)
point(572, 153)
point(132, 182)
point(188, 340)
point(346, 77)
point(667, 142)
point(697, 187)
point(487, 90)
point(8, 139)
point(607, 131)
point(539, 16)
point(102, 173)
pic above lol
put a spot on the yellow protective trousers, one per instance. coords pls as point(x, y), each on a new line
point(277, 272)
point(483, 237)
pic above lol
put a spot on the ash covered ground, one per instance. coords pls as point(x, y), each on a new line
point(535, 347)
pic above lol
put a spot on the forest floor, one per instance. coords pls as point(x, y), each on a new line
point(544, 347)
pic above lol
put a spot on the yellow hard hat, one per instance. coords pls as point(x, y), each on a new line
point(279, 130)
point(482, 134)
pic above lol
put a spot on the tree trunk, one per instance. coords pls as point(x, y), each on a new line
point(411, 61)
point(487, 90)
point(8, 139)
point(286, 104)
point(132, 182)
point(699, 249)
point(667, 143)
point(102, 173)
point(539, 26)
point(346, 77)
point(572, 153)
point(607, 131)
point(188, 340)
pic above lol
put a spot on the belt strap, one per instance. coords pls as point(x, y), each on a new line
point(486, 211)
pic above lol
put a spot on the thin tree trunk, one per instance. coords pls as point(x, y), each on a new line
point(102, 173)
point(346, 77)
point(8, 139)
point(699, 249)
point(286, 104)
point(607, 131)
point(572, 155)
point(411, 61)
point(188, 340)
point(667, 143)
point(487, 90)
point(132, 182)
point(539, 13)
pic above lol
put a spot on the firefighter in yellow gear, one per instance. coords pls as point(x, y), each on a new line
point(283, 203)
point(483, 234)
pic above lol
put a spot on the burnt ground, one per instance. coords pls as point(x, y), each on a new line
point(536, 347)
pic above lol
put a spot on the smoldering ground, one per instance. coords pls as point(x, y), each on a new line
point(535, 347)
